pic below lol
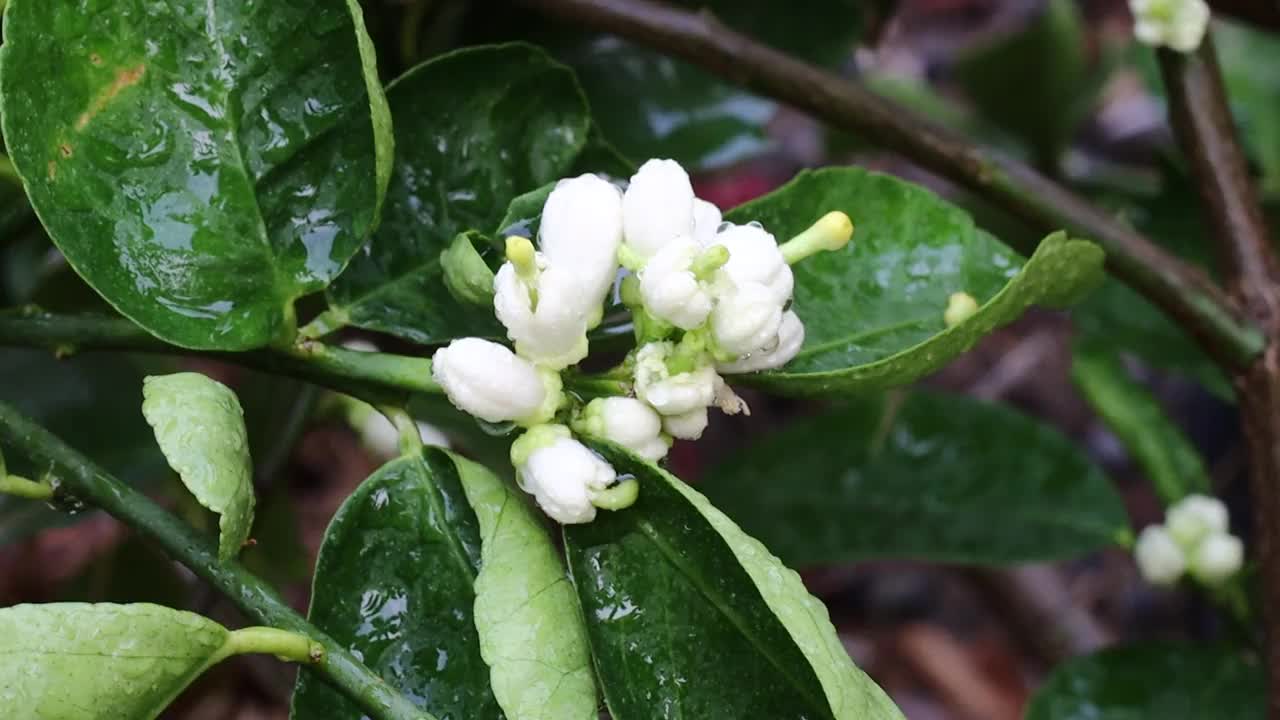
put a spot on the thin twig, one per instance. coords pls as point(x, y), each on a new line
point(89, 483)
point(1207, 134)
point(1179, 289)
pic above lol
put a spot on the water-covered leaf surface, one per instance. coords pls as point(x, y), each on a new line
point(201, 164)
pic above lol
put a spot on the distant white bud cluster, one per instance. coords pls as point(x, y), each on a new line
point(706, 298)
point(1195, 539)
point(1176, 24)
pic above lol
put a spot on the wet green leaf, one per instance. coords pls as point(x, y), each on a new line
point(526, 612)
point(90, 400)
point(202, 165)
point(919, 476)
point(1155, 682)
point(72, 661)
point(395, 583)
point(200, 428)
point(477, 127)
point(689, 617)
point(1133, 414)
point(873, 312)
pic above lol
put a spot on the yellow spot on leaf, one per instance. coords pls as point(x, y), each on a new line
point(125, 77)
point(53, 170)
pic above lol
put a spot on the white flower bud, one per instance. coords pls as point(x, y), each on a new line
point(746, 319)
point(582, 230)
point(686, 426)
point(1176, 24)
point(1217, 558)
point(672, 394)
point(657, 207)
point(1159, 558)
point(1194, 518)
point(562, 474)
point(706, 222)
point(669, 289)
point(790, 339)
point(488, 381)
point(627, 422)
point(754, 257)
point(433, 436)
point(551, 332)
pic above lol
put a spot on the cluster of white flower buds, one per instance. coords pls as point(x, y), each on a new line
point(1176, 24)
point(706, 298)
point(1194, 539)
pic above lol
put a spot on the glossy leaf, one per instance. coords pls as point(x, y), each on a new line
point(873, 312)
point(526, 612)
point(394, 584)
point(477, 127)
point(1133, 414)
point(920, 476)
point(202, 165)
point(200, 427)
point(72, 661)
point(1155, 682)
point(689, 617)
point(92, 400)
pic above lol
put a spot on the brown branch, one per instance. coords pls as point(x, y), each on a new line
point(1176, 287)
point(1207, 134)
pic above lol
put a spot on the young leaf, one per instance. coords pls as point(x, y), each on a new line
point(460, 608)
point(477, 126)
point(1129, 410)
point(689, 617)
point(873, 312)
point(527, 614)
point(919, 476)
point(200, 427)
point(202, 165)
point(73, 661)
point(1154, 682)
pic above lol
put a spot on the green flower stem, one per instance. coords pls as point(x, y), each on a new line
point(24, 488)
point(326, 323)
point(288, 646)
point(410, 436)
point(90, 483)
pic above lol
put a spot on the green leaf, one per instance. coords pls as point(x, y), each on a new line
point(202, 165)
point(689, 617)
point(651, 105)
point(200, 427)
point(92, 400)
point(919, 476)
point(873, 312)
point(1155, 682)
point(526, 612)
point(72, 661)
point(394, 584)
point(1246, 56)
point(1046, 60)
point(478, 127)
point(1133, 414)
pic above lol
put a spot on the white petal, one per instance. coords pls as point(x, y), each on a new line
point(657, 206)
point(582, 229)
point(488, 381)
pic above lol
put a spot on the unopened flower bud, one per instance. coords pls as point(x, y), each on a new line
point(1196, 517)
point(546, 319)
point(561, 473)
point(627, 422)
point(754, 257)
point(1217, 558)
point(672, 394)
point(790, 339)
point(1159, 558)
point(1176, 24)
point(582, 229)
point(669, 288)
point(746, 319)
point(488, 381)
point(657, 207)
point(706, 222)
point(686, 426)
point(960, 307)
